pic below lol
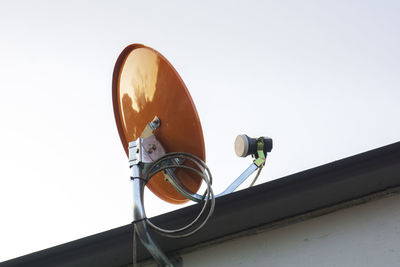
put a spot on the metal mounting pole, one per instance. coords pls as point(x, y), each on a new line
point(139, 215)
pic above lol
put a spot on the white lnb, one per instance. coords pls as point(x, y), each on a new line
point(245, 145)
point(242, 145)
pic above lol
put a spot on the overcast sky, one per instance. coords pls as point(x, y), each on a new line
point(319, 77)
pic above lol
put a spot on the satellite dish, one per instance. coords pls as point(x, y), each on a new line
point(162, 137)
point(145, 86)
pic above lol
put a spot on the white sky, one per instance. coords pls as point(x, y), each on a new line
point(320, 77)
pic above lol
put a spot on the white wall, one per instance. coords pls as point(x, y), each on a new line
point(365, 235)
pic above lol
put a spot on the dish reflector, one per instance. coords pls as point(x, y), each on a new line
point(146, 85)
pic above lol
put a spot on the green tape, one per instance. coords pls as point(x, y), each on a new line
point(260, 152)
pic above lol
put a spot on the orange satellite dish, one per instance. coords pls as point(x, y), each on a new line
point(146, 85)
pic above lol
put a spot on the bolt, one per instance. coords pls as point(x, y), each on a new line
point(156, 122)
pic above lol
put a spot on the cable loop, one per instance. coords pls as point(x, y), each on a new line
point(208, 198)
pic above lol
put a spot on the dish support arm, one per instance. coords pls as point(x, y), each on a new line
point(198, 198)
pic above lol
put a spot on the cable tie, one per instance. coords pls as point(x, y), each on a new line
point(140, 178)
point(134, 222)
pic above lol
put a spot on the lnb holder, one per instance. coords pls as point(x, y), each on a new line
point(245, 145)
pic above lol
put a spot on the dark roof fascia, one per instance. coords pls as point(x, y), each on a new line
point(317, 188)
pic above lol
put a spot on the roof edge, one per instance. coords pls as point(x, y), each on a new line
point(337, 182)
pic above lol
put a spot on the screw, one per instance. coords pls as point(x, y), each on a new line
point(156, 122)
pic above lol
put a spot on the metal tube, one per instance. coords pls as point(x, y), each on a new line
point(252, 168)
point(138, 208)
point(139, 217)
point(196, 197)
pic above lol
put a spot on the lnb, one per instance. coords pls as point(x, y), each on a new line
point(245, 145)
